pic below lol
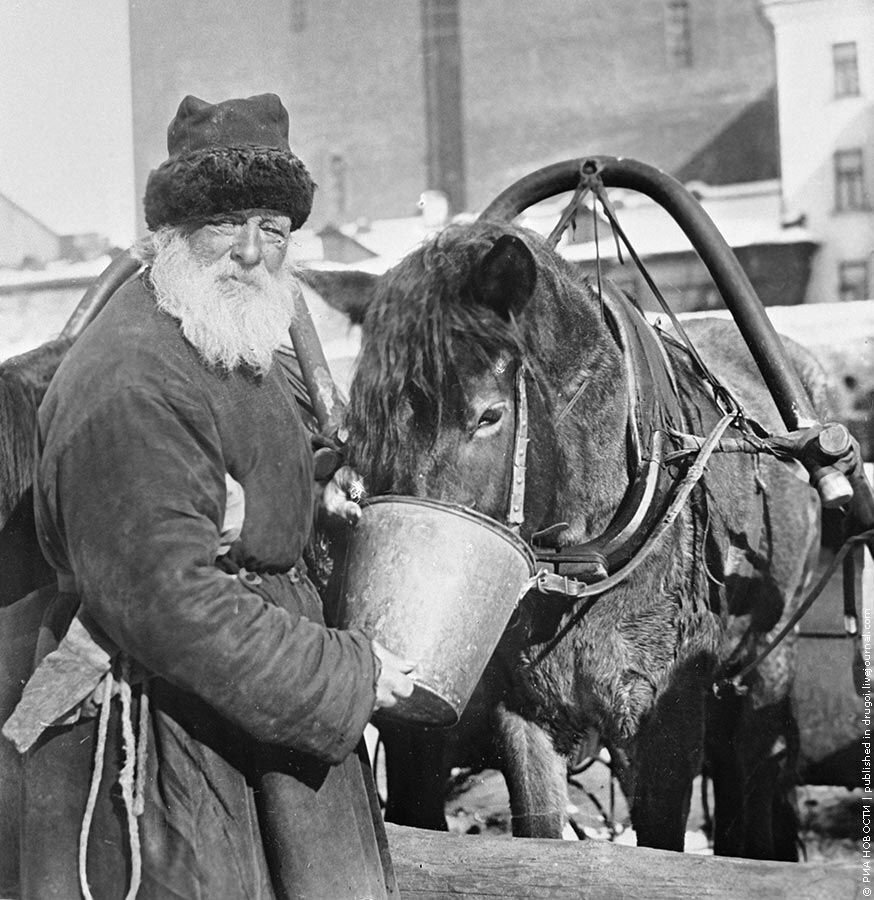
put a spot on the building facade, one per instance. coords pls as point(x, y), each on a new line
point(389, 99)
point(825, 76)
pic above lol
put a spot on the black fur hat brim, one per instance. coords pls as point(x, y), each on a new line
point(227, 179)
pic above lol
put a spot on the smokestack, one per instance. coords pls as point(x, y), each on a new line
point(441, 53)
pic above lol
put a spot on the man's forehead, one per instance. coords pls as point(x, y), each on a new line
point(239, 217)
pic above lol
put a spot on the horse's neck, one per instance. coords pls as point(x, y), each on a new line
point(592, 442)
point(700, 411)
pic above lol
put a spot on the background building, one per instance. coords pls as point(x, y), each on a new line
point(26, 242)
point(408, 111)
point(391, 100)
point(388, 100)
point(825, 70)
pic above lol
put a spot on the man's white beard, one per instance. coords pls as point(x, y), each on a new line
point(231, 315)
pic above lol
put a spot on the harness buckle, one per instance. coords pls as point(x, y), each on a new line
point(587, 566)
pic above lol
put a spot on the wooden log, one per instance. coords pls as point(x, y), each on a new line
point(434, 865)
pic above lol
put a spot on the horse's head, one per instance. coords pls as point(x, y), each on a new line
point(433, 404)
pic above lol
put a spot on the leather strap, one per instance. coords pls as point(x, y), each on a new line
point(67, 583)
point(516, 506)
point(654, 411)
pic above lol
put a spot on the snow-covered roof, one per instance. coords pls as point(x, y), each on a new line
point(53, 274)
point(745, 215)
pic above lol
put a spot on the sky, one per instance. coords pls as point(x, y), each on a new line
point(66, 150)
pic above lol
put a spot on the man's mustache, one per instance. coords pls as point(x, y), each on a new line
point(229, 272)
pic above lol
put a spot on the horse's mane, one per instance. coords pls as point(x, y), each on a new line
point(424, 326)
point(23, 383)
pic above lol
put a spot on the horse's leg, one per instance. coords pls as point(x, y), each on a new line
point(729, 809)
point(767, 732)
point(758, 799)
point(754, 812)
point(752, 748)
point(19, 631)
point(787, 843)
point(536, 776)
point(768, 750)
point(666, 758)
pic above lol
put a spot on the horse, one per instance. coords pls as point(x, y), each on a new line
point(449, 334)
point(23, 382)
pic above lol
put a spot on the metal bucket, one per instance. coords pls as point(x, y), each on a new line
point(435, 583)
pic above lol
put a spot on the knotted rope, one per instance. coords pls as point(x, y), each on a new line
point(131, 778)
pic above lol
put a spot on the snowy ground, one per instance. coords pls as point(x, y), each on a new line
point(830, 817)
point(477, 803)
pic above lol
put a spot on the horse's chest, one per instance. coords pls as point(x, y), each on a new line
point(605, 663)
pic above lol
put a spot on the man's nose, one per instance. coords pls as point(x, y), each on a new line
point(246, 249)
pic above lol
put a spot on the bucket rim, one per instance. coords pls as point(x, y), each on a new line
point(464, 512)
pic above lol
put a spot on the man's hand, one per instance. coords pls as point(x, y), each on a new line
point(393, 683)
point(341, 496)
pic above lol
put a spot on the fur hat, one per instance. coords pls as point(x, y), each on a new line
point(225, 157)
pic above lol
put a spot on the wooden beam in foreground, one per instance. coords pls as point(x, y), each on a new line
point(432, 865)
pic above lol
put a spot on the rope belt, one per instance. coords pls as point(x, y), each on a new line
point(132, 777)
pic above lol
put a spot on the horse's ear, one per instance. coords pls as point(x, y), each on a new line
point(350, 292)
point(506, 276)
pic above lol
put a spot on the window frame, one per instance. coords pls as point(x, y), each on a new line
point(848, 288)
point(298, 15)
point(845, 71)
point(678, 34)
point(849, 180)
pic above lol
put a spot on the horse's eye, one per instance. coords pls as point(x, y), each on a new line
point(490, 417)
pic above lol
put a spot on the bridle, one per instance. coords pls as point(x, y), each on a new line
point(516, 503)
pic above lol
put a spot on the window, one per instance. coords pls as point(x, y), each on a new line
point(298, 15)
point(849, 180)
point(678, 34)
point(337, 186)
point(846, 68)
point(853, 280)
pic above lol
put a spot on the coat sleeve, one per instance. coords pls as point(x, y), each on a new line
point(138, 493)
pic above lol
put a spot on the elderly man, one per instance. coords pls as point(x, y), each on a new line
point(174, 496)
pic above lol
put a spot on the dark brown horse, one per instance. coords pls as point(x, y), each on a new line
point(23, 382)
point(449, 334)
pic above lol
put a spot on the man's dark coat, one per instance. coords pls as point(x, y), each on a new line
point(252, 698)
